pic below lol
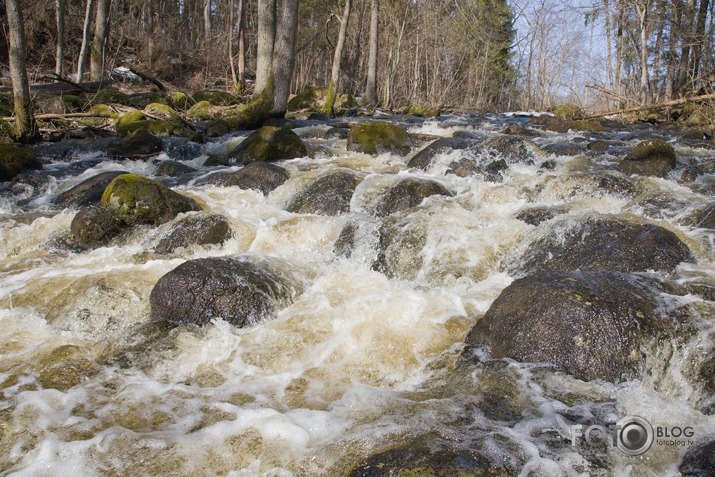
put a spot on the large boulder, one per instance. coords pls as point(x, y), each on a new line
point(262, 176)
point(589, 325)
point(138, 200)
point(328, 195)
point(407, 193)
point(169, 168)
point(601, 243)
point(699, 461)
point(14, 160)
point(513, 149)
point(195, 229)
point(378, 137)
point(649, 158)
point(95, 225)
point(88, 191)
point(268, 143)
point(137, 144)
point(424, 158)
point(239, 289)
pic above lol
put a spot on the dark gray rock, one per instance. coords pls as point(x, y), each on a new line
point(268, 143)
point(242, 290)
point(172, 169)
point(602, 243)
point(589, 325)
point(94, 225)
point(513, 149)
point(564, 149)
point(88, 191)
point(262, 176)
point(407, 193)
point(424, 158)
point(536, 215)
point(139, 144)
point(196, 229)
point(649, 158)
point(328, 195)
point(699, 461)
point(14, 160)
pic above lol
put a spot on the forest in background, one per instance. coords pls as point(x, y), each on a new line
point(450, 54)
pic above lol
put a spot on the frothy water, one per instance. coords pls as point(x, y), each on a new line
point(361, 360)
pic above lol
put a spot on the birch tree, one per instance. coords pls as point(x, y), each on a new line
point(24, 124)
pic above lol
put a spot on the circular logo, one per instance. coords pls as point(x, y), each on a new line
point(635, 435)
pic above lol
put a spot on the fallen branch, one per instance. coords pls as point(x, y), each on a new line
point(63, 116)
point(674, 102)
point(148, 78)
point(603, 90)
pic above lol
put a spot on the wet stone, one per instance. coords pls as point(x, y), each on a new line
point(407, 193)
point(328, 195)
point(87, 192)
point(261, 176)
point(195, 229)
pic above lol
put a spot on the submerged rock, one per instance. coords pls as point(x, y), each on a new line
point(602, 243)
point(95, 225)
point(196, 229)
point(262, 176)
point(138, 200)
point(513, 149)
point(328, 195)
point(14, 160)
point(431, 455)
point(88, 191)
point(649, 158)
point(240, 290)
point(268, 143)
point(407, 193)
point(378, 137)
point(589, 325)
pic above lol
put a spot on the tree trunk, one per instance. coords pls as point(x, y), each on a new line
point(371, 87)
point(84, 50)
point(266, 42)
point(60, 26)
point(284, 54)
point(687, 40)
point(207, 21)
point(700, 37)
point(24, 124)
point(609, 47)
point(337, 59)
point(642, 7)
point(99, 43)
point(242, 44)
point(619, 49)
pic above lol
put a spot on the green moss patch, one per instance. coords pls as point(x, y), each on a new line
point(14, 160)
point(377, 137)
point(217, 98)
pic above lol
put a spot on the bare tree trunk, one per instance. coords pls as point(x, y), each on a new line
point(642, 7)
point(660, 19)
point(207, 21)
point(231, 61)
point(60, 49)
point(371, 88)
point(619, 49)
point(337, 59)
point(687, 39)
point(84, 50)
point(671, 69)
point(609, 47)
point(284, 54)
point(24, 124)
point(266, 41)
point(700, 37)
point(242, 43)
point(99, 43)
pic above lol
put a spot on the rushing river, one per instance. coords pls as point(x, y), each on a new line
point(360, 361)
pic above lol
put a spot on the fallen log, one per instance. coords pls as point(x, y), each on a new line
point(65, 88)
point(62, 116)
point(667, 104)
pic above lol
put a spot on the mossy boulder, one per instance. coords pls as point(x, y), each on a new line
point(201, 111)
point(139, 200)
point(124, 125)
point(569, 111)
point(589, 325)
point(422, 111)
point(562, 125)
point(14, 160)
point(654, 157)
point(134, 121)
point(601, 243)
point(5, 130)
point(195, 229)
point(5, 105)
point(180, 101)
point(328, 195)
point(262, 176)
point(88, 191)
point(137, 144)
point(142, 100)
point(111, 95)
point(378, 137)
point(268, 143)
point(161, 110)
point(95, 225)
point(216, 98)
point(243, 290)
point(312, 98)
point(407, 193)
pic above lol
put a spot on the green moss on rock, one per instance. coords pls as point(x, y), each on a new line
point(422, 111)
point(5, 105)
point(5, 130)
point(312, 99)
point(111, 95)
point(180, 101)
point(136, 199)
point(268, 143)
point(162, 110)
point(124, 123)
point(650, 158)
point(14, 160)
point(216, 98)
point(377, 137)
point(569, 111)
point(202, 110)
